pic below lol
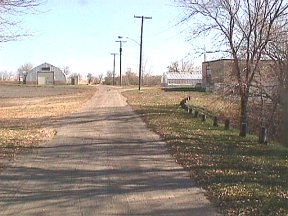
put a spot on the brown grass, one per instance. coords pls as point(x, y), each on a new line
point(241, 177)
point(25, 122)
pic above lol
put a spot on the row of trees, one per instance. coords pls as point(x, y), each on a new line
point(132, 78)
point(6, 76)
point(91, 79)
point(181, 66)
point(249, 31)
point(21, 72)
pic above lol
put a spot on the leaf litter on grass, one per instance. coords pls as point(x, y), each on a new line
point(241, 176)
point(26, 122)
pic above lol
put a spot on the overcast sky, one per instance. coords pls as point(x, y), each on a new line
point(81, 34)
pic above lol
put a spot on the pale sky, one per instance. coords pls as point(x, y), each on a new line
point(81, 34)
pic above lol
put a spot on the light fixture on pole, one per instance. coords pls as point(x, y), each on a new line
point(120, 51)
point(131, 39)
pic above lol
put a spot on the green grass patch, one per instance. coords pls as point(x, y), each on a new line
point(241, 176)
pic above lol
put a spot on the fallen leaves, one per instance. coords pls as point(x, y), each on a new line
point(27, 121)
point(240, 176)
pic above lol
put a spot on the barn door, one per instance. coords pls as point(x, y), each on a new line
point(46, 78)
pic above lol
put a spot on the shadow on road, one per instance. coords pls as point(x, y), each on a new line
point(103, 161)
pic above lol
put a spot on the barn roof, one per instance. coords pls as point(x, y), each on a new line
point(183, 75)
point(46, 65)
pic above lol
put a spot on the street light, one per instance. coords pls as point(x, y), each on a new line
point(120, 50)
point(140, 61)
point(138, 45)
point(114, 54)
point(130, 39)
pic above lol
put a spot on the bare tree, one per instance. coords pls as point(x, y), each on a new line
point(244, 28)
point(152, 80)
point(99, 78)
point(89, 78)
point(66, 70)
point(10, 17)
point(130, 78)
point(108, 80)
point(180, 66)
point(23, 71)
point(6, 76)
point(174, 67)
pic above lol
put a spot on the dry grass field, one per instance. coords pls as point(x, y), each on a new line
point(27, 114)
point(241, 177)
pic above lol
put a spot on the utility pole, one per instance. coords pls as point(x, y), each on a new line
point(141, 45)
point(120, 50)
point(114, 54)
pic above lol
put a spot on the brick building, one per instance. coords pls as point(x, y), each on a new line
point(220, 76)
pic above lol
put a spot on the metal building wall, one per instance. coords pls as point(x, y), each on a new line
point(181, 79)
point(59, 76)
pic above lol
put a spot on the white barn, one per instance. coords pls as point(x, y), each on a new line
point(181, 79)
point(46, 74)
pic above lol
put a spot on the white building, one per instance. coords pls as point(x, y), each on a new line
point(181, 79)
point(46, 74)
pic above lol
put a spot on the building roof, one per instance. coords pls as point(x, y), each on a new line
point(217, 60)
point(183, 75)
point(45, 65)
point(49, 67)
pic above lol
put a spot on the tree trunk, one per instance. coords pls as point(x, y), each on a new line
point(243, 112)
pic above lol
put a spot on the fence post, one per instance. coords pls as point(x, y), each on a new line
point(196, 113)
point(243, 129)
point(182, 103)
point(215, 121)
point(227, 124)
point(186, 107)
point(262, 135)
point(204, 117)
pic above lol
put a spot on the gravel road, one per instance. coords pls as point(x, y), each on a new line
point(103, 161)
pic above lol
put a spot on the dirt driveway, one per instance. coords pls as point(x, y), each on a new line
point(103, 161)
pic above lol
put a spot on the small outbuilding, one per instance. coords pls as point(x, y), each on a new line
point(181, 79)
point(73, 80)
point(46, 74)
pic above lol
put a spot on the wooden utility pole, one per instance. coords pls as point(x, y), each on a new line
point(141, 45)
point(120, 50)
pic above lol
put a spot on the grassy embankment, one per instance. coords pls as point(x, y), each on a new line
point(28, 114)
point(241, 176)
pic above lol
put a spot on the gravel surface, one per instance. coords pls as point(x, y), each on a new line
point(103, 161)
